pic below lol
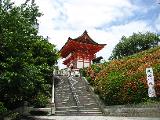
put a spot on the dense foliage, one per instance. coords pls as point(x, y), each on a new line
point(26, 59)
point(134, 44)
point(124, 81)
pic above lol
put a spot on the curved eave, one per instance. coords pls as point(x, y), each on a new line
point(72, 45)
point(66, 49)
point(68, 60)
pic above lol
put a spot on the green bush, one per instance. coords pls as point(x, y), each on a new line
point(83, 72)
point(41, 100)
point(114, 84)
point(14, 115)
point(96, 67)
point(3, 110)
point(89, 80)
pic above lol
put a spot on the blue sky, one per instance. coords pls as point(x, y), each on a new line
point(105, 20)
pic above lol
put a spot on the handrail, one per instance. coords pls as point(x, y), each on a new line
point(74, 93)
point(53, 100)
point(96, 97)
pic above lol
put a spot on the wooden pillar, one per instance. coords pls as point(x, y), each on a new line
point(83, 60)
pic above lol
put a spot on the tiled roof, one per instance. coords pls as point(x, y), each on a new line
point(85, 38)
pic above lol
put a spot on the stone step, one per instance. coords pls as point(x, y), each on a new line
point(41, 109)
point(65, 102)
point(74, 107)
point(78, 112)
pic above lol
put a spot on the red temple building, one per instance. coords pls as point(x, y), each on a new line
point(80, 52)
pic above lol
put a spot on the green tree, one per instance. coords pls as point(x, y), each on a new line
point(134, 44)
point(26, 59)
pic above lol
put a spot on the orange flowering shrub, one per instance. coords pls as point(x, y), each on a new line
point(124, 81)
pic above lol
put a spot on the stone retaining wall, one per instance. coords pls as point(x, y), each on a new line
point(134, 110)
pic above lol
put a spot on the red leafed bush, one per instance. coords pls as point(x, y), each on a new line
point(124, 81)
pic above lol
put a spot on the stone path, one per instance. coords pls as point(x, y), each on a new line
point(91, 118)
point(73, 98)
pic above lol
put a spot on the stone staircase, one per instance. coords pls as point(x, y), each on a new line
point(73, 98)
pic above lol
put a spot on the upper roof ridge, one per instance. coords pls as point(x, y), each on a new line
point(85, 38)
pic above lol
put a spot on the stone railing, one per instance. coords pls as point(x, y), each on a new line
point(75, 96)
point(52, 100)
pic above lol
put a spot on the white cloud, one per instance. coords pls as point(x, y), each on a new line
point(18, 2)
point(114, 34)
point(69, 18)
point(92, 13)
point(133, 26)
point(157, 23)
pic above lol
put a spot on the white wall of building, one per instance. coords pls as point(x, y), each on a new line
point(79, 64)
point(86, 64)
